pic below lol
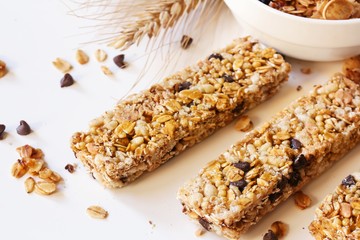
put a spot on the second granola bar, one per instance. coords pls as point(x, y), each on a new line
point(148, 128)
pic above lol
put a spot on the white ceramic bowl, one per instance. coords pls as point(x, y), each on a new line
point(298, 37)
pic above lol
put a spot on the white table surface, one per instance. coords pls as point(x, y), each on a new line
point(32, 34)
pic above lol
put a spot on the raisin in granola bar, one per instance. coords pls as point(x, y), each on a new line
point(146, 129)
point(338, 216)
point(250, 179)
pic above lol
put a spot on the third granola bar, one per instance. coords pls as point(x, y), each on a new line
point(146, 129)
point(338, 216)
point(274, 161)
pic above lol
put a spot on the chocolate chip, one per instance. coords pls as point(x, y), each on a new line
point(348, 181)
point(282, 183)
point(183, 86)
point(241, 184)
point(70, 168)
point(295, 144)
point(274, 196)
point(119, 60)
point(216, 55)
point(299, 162)
point(2, 130)
point(67, 80)
point(295, 178)
point(23, 128)
point(244, 166)
point(270, 235)
point(228, 78)
point(205, 224)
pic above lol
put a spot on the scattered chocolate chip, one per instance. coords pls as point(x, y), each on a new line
point(299, 88)
point(265, 1)
point(295, 178)
point(274, 196)
point(299, 162)
point(183, 86)
point(228, 78)
point(186, 41)
point(23, 128)
point(244, 166)
point(348, 181)
point(205, 224)
point(295, 144)
point(216, 55)
point(67, 80)
point(241, 184)
point(282, 183)
point(119, 60)
point(2, 130)
point(70, 168)
point(270, 235)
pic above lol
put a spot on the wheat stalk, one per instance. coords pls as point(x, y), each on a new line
point(131, 21)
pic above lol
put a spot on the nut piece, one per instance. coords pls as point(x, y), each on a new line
point(82, 57)
point(45, 188)
point(302, 200)
point(279, 228)
point(106, 70)
point(62, 65)
point(243, 124)
point(3, 69)
point(100, 55)
point(345, 209)
point(97, 212)
point(29, 184)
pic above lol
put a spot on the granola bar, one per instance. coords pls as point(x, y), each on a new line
point(146, 129)
point(270, 163)
point(338, 216)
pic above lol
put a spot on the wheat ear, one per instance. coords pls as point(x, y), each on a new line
point(147, 18)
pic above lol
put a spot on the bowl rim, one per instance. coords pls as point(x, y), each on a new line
point(305, 19)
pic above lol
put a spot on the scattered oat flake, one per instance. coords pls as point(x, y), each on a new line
point(100, 55)
point(302, 200)
point(45, 188)
point(82, 57)
point(305, 70)
point(299, 88)
point(106, 70)
point(279, 228)
point(199, 232)
point(243, 124)
point(62, 65)
point(97, 212)
point(29, 184)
